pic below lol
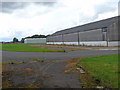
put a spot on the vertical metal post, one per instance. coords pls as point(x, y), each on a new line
point(107, 37)
point(53, 39)
point(63, 39)
point(78, 39)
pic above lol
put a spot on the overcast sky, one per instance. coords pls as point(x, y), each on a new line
point(22, 19)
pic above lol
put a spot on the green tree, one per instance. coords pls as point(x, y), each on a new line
point(15, 40)
point(22, 40)
point(37, 36)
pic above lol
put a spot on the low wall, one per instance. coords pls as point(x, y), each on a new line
point(114, 43)
point(67, 43)
point(90, 43)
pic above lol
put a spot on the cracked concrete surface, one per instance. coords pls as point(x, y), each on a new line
point(48, 74)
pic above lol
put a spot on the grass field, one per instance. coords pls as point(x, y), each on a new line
point(21, 47)
point(102, 68)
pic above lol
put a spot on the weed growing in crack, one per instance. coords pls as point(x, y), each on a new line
point(38, 60)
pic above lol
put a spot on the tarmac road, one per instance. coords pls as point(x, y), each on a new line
point(45, 74)
point(11, 56)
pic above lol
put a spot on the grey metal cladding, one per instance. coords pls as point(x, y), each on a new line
point(58, 38)
point(35, 40)
point(119, 29)
point(113, 32)
point(49, 39)
point(54, 38)
point(93, 35)
point(72, 37)
point(89, 26)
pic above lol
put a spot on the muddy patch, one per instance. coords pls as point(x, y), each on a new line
point(75, 47)
point(60, 47)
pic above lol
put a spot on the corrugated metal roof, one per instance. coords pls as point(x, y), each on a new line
point(89, 26)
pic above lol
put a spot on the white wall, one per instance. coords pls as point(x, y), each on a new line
point(89, 43)
point(114, 43)
point(35, 40)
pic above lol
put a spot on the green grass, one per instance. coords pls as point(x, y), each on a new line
point(0, 46)
point(103, 68)
point(21, 47)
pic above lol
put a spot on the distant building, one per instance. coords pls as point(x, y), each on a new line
point(100, 33)
point(35, 40)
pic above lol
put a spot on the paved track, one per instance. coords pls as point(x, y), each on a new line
point(11, 56)
point(46, 74)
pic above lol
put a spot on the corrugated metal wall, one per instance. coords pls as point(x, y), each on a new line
point(92, 35)
point(54, 38)
point(72, 37)
point(88, 35)
point(35, 40)
point(58, 38)
point(112, 32)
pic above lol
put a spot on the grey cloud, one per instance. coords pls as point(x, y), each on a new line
point(99, 9)
point(104, 9)
point(9, 7)
point(45, 3)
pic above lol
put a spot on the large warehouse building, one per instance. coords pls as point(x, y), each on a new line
point(100, 33)
point(35, 40)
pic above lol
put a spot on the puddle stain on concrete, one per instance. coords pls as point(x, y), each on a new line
point(23, 78)
point(28, 75)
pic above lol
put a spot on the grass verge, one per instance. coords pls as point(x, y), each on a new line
point(101, 70)
point(21, 47)
point(5, 63)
